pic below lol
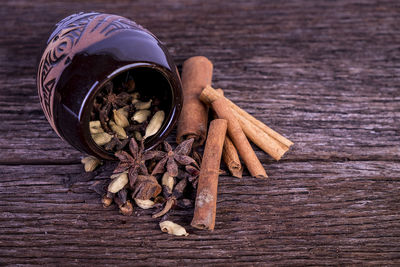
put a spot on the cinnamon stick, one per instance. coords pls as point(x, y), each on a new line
point(239, 139)
point(268, 140)
point(206, 199)
point(196, 74)
point(212, 95)
point(268, 144)
point(231, 158)
point(230, 154)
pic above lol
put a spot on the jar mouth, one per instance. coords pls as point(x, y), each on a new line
point(151, 79)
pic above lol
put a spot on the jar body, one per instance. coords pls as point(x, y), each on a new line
point(84, 52)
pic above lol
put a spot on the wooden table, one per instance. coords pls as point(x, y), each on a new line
point(326, 74)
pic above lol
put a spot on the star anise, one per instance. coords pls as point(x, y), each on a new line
point(192, 173)
point(134, 162)
point(146, 187)
point(111, 100)
point(171, 158)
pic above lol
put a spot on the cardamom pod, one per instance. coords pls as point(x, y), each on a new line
point(141, 115)
point(154, 124)
point(95, 127)
point(144, 204)
point(121, 134)
point(143, 105)
point(168, 181)
point(173, 228)
point(124, 110)
point(101, 138)
point(90, 163)
point(118, 183)
point(116, 175)
point(138, 136)
point(120, 119)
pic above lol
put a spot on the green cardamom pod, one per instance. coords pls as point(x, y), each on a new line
point(90, 163)
point(101, 138)
point(144, 204)
point(154, 124)
point(173, 228)
point(95, 127)
point(121, 134)
point(141, 115)
point(143, 105)
point(124, 110)
point(120, 119)
point(118, 183)
point(116, 175)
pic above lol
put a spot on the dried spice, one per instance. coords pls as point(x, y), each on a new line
point(120, 119)
point(146, 187)
point(165, 178)
point(95, 127)
point(172, 198)
point(192, 173)
point(167, 182)
point(90, 163)
point(118, 183)
point(132, 183)
point(173, 228)
point(168, 205)
point(119, 111)
point(121, 134)
point(126, 208)
point(144, 204)
point(141, 115)
point(134, 163)
point(154, 124)
point(122, 115)
point(172, 158)
point(111, 100)
point(116, 144)
point(101, 138)
point(143, 105)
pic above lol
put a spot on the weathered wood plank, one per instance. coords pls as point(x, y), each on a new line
point(323, 73)
point(321, 126)
point(331, 88)
point(298, 216)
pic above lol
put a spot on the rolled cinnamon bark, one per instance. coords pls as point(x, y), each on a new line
point(206, 199)
point(238, 138)
point(211, 94)
point(261, 138)
point(196, 74)
point(231, 158)
point(229, 152)
point(274, 147)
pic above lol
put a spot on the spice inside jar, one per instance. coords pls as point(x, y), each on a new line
point(133, 104)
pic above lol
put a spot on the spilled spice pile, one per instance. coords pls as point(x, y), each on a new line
point(165, 178)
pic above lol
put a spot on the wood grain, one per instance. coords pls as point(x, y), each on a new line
point(296, 217)
point(323, 73)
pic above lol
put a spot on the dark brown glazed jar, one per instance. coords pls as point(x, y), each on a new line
point(87, 50)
